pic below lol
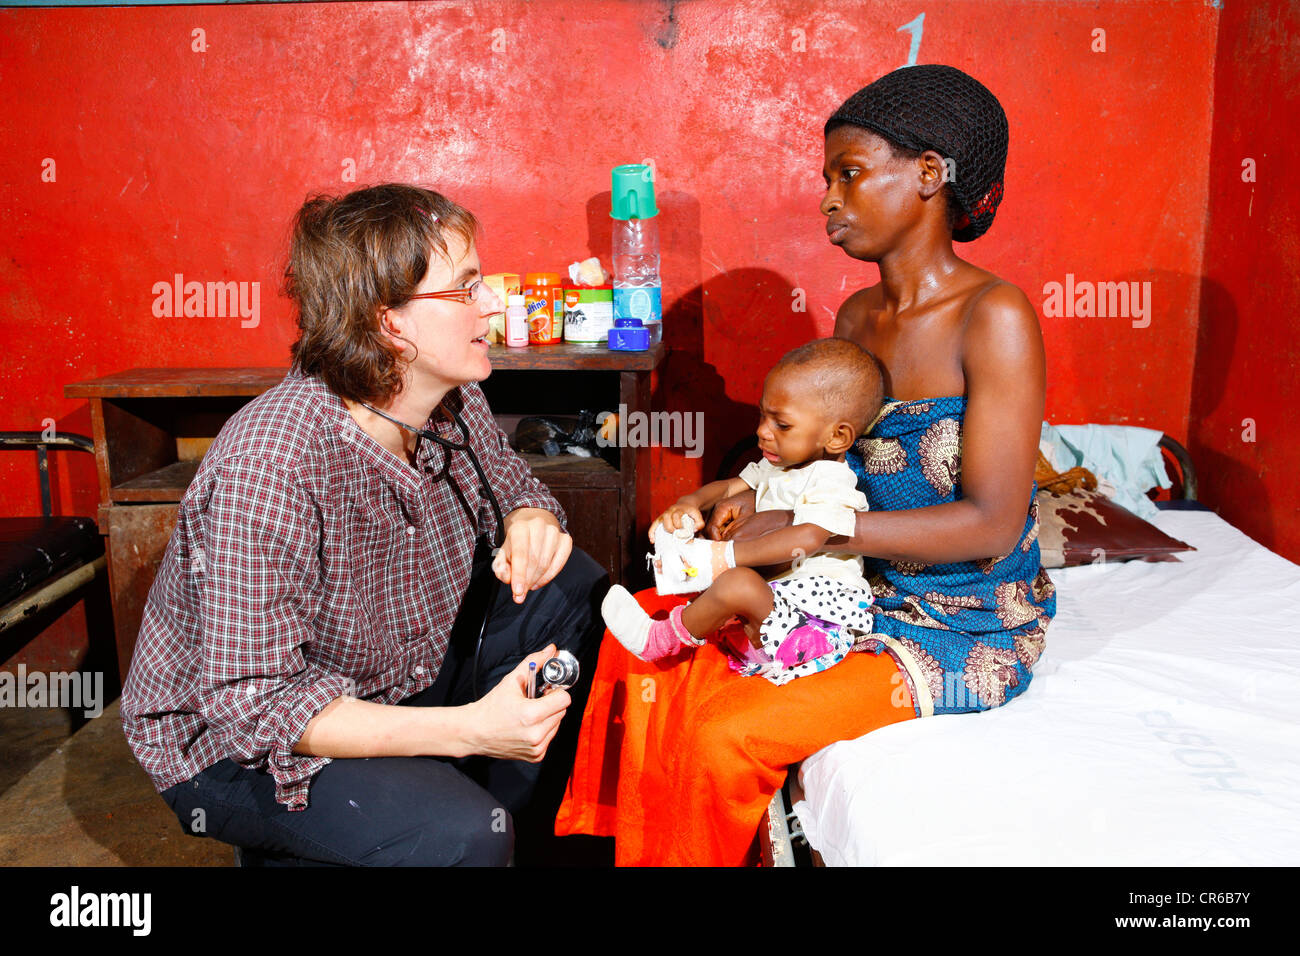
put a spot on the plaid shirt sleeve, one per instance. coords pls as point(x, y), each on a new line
point(260, 585)
point(509, 475)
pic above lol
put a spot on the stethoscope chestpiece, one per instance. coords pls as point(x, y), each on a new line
point(560, 671)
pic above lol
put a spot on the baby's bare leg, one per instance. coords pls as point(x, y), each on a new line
point(739, 592)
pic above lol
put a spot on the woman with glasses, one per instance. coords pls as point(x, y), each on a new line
point(310, 682)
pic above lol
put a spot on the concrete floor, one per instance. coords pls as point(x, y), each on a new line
point(71, 793)
point(74, 796)
point(80, 799)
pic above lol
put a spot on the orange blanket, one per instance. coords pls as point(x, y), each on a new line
point(678, 759)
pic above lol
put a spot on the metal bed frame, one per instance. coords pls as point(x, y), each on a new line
point(49, 592)
point(781, 839)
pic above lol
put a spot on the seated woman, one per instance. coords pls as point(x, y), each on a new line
point(306, 683)
point(678, 760)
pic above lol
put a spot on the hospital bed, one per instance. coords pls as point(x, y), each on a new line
point(1162, 727)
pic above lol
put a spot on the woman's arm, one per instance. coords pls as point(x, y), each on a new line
point(781, 546)
point(504, 723)
point(1006, 382)
point(1005, 371)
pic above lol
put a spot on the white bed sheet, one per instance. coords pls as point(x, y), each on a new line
point(1162, 727)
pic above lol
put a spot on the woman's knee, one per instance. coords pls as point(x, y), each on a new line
point(584, 568)
point(434, 815)
point(483, 837)
point(583, 579)
point(583, 584)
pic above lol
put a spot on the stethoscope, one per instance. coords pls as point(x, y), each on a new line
point(494, 583)
point(559, 671)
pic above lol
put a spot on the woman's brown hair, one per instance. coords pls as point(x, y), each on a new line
point(351, 257)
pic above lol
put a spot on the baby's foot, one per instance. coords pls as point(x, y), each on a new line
point(645, 637)
point(626, 619)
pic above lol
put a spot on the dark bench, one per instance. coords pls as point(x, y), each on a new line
point(44, 559)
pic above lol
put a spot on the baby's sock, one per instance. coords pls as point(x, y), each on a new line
point(667, 637)
point(645, 637)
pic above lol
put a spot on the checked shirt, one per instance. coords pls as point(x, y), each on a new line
point(308, 563)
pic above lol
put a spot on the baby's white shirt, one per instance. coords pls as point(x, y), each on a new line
point(824, 493)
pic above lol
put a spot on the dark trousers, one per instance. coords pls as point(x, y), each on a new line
point(426, 811)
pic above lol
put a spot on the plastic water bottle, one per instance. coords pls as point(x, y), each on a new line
point(638, 290)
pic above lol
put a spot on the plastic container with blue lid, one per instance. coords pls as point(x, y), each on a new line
point(629, 335)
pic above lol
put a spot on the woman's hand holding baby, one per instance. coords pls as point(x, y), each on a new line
point(727, 512)
point(757, 525)
point(735, 519)
point(695, 504)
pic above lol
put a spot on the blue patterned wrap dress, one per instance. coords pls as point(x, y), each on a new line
point(966, 634)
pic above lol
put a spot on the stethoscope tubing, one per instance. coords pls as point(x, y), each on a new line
point(494, 583)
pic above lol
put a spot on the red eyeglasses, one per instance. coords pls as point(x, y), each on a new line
point(463, 296)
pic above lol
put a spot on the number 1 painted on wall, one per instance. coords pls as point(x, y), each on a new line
point(916, 26)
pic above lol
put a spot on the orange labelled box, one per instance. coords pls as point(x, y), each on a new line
point(544, 302)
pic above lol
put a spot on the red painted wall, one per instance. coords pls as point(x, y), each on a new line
point(1245, 390)
point(169, 160)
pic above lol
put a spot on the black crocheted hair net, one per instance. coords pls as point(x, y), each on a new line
point(943, 109)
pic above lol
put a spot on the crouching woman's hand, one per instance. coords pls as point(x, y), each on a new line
point(506, 723)
point(533, 552)
point(503, 723)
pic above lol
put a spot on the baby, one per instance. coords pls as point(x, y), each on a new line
point(816, 402)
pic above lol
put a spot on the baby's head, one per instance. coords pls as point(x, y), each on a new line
point(817, 400)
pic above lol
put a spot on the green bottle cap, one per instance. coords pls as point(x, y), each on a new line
point(633, 192)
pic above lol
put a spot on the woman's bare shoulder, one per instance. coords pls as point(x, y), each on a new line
point(1001, 330)
point(999, 308)
point(853, 312)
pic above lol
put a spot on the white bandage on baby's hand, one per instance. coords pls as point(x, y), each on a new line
point(684, 533)
point(685, 564)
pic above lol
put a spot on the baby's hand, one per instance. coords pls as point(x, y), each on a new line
point(679, 516)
